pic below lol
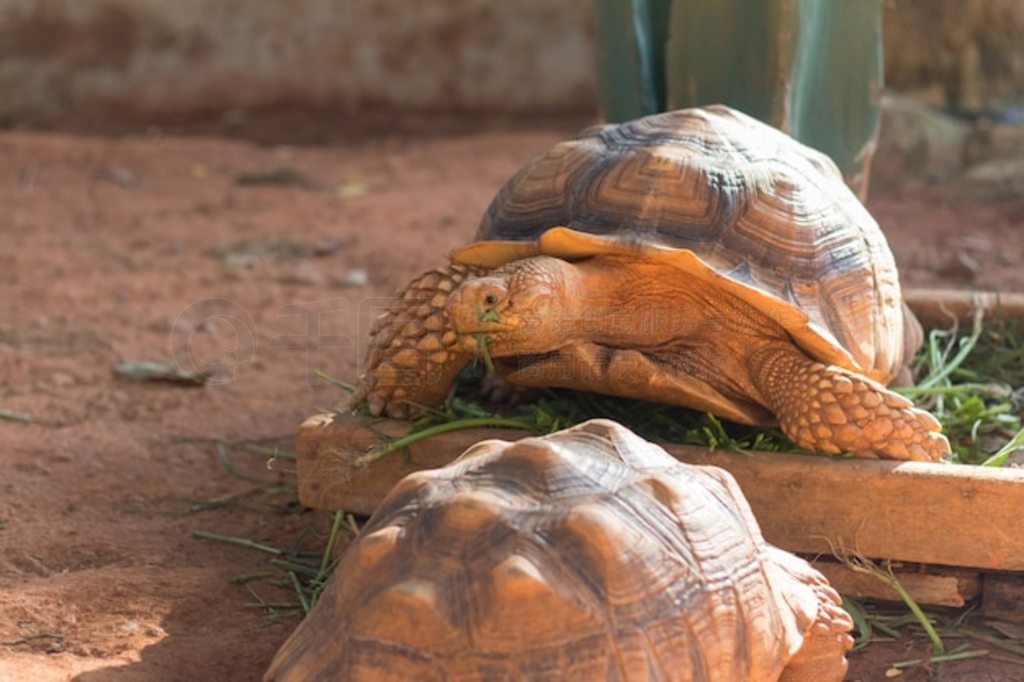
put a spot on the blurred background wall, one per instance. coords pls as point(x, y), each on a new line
point(963, 55)
point(61, 57)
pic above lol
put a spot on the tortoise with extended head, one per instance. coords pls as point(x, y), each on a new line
point(589, 554)
point(697, 257)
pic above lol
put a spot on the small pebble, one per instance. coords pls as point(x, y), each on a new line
point(305, 274)
point(352, 190)
point(977, 244)
point(62, 379)
point(119, 175)
point(356, 277)
point(329, 246)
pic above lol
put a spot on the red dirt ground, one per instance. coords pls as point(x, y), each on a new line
point(105, 255)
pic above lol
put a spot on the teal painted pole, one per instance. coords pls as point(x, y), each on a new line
point(812, 68)
point(631, 36)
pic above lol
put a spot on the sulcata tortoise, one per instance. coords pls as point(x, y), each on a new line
point(697, 257)
point(589, 554)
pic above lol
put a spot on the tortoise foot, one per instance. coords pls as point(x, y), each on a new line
point(829, 409)
point(844, 412)
point(414, 354)
point(822, 656)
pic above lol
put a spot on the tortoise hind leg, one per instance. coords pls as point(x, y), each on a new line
point(913, 337)
point(829, 409)
point(414, 355)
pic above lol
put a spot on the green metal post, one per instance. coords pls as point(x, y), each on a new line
point(631, 36)
point(812, 68)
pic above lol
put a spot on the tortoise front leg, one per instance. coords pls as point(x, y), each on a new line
point(414, 354)
point(829, 409)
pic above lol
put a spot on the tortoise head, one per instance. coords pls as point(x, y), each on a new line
point(518, 307)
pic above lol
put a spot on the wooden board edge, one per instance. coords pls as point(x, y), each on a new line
point(1003, 596)
point(943, 307)
point(927, 585)
point(907, 511)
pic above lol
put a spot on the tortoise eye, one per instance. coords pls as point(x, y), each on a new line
point(490, 299)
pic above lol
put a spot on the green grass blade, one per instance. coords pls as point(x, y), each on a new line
point(1000, 457)
point(423, 434)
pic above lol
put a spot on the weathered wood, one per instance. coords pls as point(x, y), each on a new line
point(907, 511)
point(940, 307)
point(925, 584)
point(330, 447)
point(1003, 596)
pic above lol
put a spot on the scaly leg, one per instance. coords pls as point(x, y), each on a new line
point(829, 409)
point(414, 354)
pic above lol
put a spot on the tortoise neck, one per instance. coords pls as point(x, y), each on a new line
point(632, 300)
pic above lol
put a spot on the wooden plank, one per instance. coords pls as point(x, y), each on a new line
point(907, 511)
point(1003, 597)
point(939, 307)
point(925, 584)
point(330, 446)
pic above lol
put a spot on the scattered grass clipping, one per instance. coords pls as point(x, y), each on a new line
point(973, 382)
point(556, 409)
point(303, 572)
point(343, 385)
point(861, 564)
point(971, 633)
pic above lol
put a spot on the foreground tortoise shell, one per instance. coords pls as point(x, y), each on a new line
point(589, 554)
point(716, 264)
